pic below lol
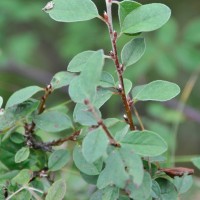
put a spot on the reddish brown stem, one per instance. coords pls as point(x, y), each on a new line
point(119, 67)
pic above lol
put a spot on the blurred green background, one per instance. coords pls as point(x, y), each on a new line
point(33, 48)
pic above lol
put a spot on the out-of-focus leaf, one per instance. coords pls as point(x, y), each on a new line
point(22, 154)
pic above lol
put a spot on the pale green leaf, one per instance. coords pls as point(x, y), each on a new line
point(57, 190)
point(127, 85)
point(61, 79)
point(133, 164)
point(52, 121)
point(142, 192)
point(107, 80)
point(58, 159)
point(145, 143)
point(22, 95)
point(133, 51)
point(114, 167)
point(183, 184)
point(155, 91)
point(22, 154)
point(95, 145)
point(23, 177)
point(84, 86)
point(84, 166)
point(73, 10)
point(196, 162)
point(146, 18)
point(125, 7)
point(79, 62)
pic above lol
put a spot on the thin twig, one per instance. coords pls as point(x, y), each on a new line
point(138, 118)
point(101, 123)
point(113, 37)
point(12, 195)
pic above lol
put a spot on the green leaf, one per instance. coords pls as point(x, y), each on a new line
point(83, 116)
point(89, 179)
point(17, 138)
point(146, 18)
point(79, 62)
point(81, 87)
point(73, 10)
point(107, 80)
point(58, 159)
point(183, 184)
point(142, 192)
point(22, 95)
point(133, 51)
point(23, 177)
point(95, 145)
point(22, 154)
point(1, 101)
point(84, 166)
point(196, 162)
point(114, 166)
point(155, 91)
point(8, 175)
point(52, 121)
point(125, 7)
point(108, 193)
point(133, 165)
point(168, 190)
point(57, 190)
point(127, 84)
point(102, 96)
point(145, 143)
point(61, 79)
point(155, 190)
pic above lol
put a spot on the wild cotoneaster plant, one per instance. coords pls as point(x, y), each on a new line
point(120, 159)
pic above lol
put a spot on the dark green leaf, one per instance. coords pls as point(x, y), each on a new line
point(146, 18)
point(145, 143)
point(61, 79)
point(114, 166)
point(22, 95)
point(155, 91)
point(8, 176)
point(58, 159)
point(183, 184)
point(142, 192)
point(168, 190)
point(73, 10)
point(57, 190)
point(133, 164)
point(23, 177)
point(133, 51)
point(52, 121)
point(125, 7)
point(83, 165)
point(17, 138)
point(95, 145)
point(89, 179)
point(79, 62)
point(22, 154)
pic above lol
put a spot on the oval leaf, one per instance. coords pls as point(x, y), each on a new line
point(145, 143)
point(22, 95)
point(95, 145)
point(133, 51)
point(58, 159)
point(23, 177)
point(156, 91)
point(84, 166)
point(73, 10)
point(52, 121)
point(79, 62)
point(57, 190)
point(146, 18)
point(61, 79)
point(125, 7)
point(22, 154)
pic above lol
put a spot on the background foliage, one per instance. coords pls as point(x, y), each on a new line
point(33, 48)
